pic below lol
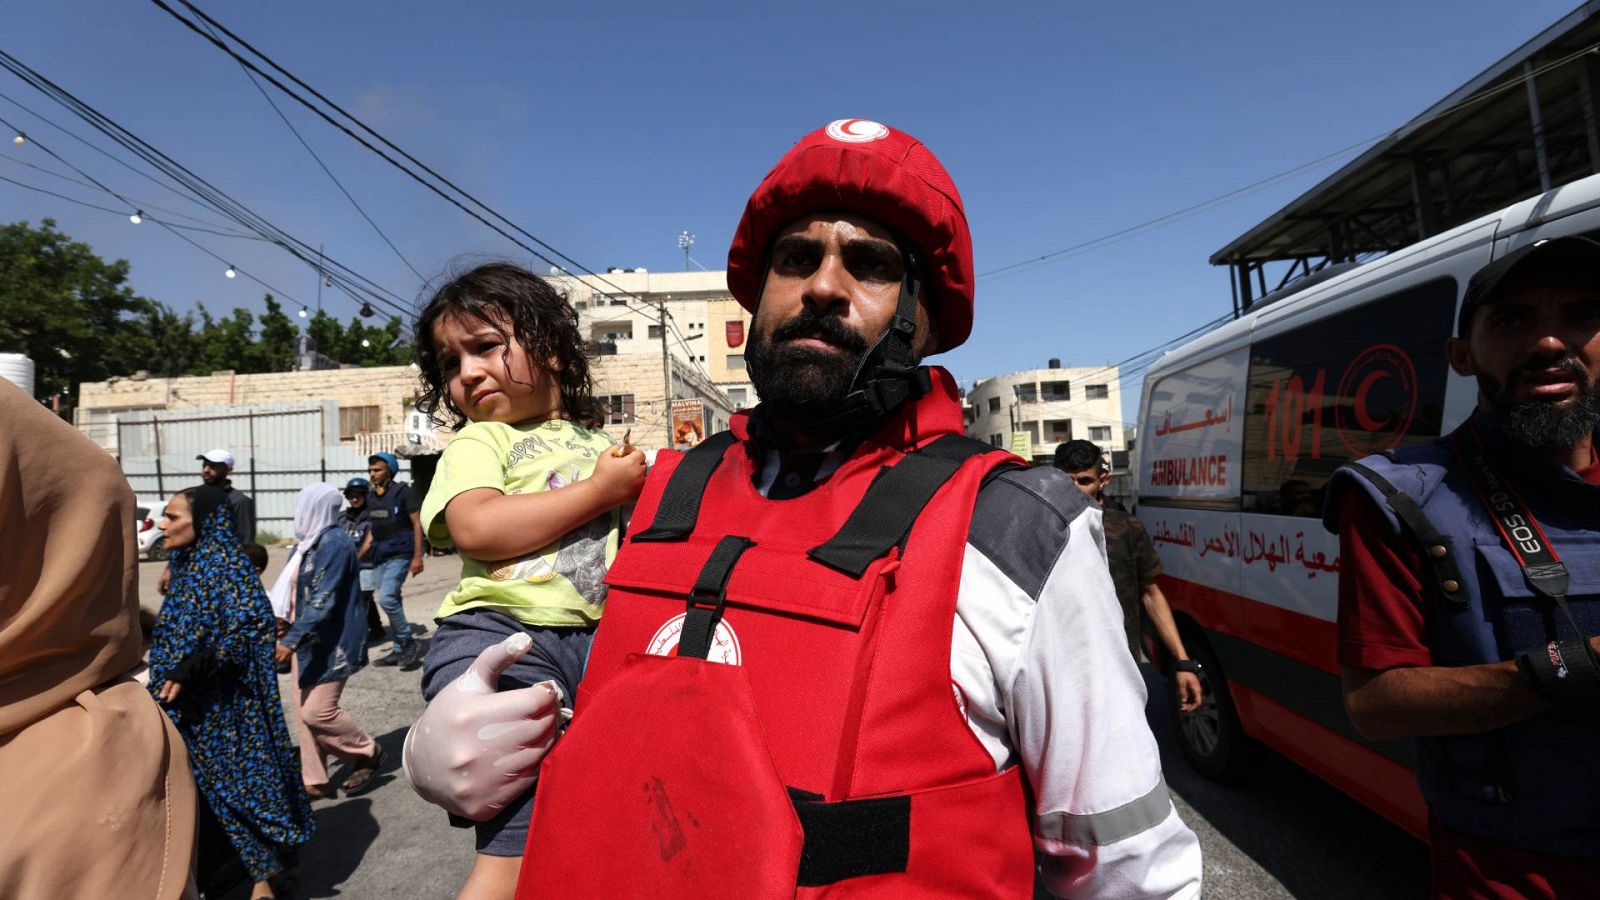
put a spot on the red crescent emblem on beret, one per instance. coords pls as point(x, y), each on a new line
point(857, 131)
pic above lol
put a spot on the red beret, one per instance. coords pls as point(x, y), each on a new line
point(860, 166)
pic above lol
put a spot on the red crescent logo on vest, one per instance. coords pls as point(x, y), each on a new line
point(857, 131)
point(1377, 400)
point(724, 644)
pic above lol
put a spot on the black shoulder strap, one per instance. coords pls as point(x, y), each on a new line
point(1541, 566)
point(892, 503)
point(1446, 575)
point(680, 500)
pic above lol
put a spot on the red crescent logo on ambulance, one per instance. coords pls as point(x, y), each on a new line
point(856, 131)
point(1364, 418)
point(724, 643)
point(1377, 399)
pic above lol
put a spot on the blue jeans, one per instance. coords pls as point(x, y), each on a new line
point(391, 574)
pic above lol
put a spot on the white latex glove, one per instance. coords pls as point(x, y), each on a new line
point(473, 751)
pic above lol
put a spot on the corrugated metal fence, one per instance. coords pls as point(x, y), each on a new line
point(278, 448)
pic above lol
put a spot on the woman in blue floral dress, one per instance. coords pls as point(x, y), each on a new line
point(211, 666)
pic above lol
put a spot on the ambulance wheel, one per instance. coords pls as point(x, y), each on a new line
point(1211, 737)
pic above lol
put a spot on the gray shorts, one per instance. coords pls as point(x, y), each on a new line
point(557, 654)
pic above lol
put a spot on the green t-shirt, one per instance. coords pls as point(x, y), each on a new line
point(558, 585)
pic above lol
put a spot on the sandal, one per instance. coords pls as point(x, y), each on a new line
point(321, 791)
point(360, 781)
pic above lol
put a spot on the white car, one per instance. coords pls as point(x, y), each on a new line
point(147, 525)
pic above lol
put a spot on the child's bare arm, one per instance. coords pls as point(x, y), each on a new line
point(488, 525)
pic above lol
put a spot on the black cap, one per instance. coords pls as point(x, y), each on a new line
point(1562, 251)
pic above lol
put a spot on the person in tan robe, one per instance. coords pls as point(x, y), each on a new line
point(96, 796)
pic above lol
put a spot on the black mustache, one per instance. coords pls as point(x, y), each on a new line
point(809, 324)
point(1567, 363)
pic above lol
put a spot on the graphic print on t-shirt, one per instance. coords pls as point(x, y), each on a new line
point(579, 555)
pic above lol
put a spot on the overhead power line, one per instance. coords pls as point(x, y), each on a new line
point(1221, 199)
point(107, 209)
point(170, 229)
point(360, 288)
point(329, 172)
point(412, 167)
point(106, 153)
point(209, 227)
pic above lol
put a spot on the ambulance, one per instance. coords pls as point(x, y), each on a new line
point(1239, 431)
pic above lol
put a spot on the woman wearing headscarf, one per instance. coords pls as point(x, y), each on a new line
point(95, 794)
point(328, 642)
point(211, 665)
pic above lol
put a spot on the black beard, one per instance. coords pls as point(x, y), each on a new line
point(1540, 424)
point(805, 384)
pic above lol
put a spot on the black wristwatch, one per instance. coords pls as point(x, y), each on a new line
point(1187, 665)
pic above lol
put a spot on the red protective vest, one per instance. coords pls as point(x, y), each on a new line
point(820, 750)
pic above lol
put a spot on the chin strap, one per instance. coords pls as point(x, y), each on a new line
point(888, 375)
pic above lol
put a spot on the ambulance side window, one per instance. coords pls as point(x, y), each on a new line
point(1361, 381)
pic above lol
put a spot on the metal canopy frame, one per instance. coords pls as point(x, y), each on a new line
point(1529, 122)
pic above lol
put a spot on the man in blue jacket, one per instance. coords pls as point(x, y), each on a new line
point(393, 512)
point(1469, 598)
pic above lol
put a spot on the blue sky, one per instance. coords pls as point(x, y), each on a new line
point(607, 128)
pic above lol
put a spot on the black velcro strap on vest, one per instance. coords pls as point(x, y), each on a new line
point(892, 503)
point(1441, 562)
point(680, 500)
point(1567, 674)
point(707, 596)
point(851, 838)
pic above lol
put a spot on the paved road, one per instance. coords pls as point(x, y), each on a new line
point(1285, 833)
point(386, 843)
point(1282, 834)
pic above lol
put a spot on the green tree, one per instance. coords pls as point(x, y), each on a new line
point(171, 346)
point(66, 308)
point(228, 343)
point(278, 335)
point(75, 316)
point(343, 342)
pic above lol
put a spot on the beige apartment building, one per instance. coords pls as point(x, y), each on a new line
point(706, 330)
point(1033, 411)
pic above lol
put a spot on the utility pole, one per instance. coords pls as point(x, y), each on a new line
point(666, 370)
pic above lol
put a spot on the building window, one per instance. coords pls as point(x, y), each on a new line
point(1099, 432)
point(994, 404)
point(1315, 400)
point(619, 409)
point(1056, 390)
point(655, 331)
point(354, 420)
point(738, 397)
point(1027, 393)
point(1097, 392)
point(735, 361)
point(612, 331)
point(1058, 430)
point(994, 441)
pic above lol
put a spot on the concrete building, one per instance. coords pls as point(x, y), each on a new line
point(633, 385)
point(375, 405)
point(706, 330)
point(1031, 412)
